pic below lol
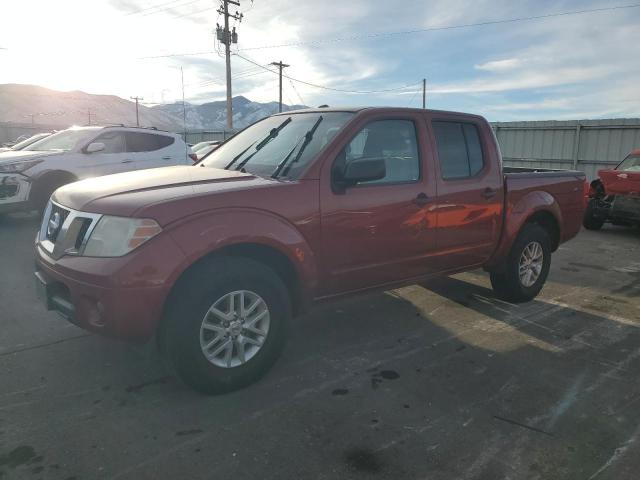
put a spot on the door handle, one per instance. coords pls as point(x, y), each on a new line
point(166, 158)
point(127, 161)
point(422, 199)
point(489, 193)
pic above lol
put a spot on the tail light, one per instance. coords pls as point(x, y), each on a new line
point(193, 157)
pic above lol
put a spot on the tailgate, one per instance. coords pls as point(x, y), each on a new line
point(618, 182)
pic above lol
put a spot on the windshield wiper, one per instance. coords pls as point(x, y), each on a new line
point(263, 143)
point(284, 166)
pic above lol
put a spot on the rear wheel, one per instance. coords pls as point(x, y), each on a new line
point(527, 266)
point(590, 221)
point(227, 324)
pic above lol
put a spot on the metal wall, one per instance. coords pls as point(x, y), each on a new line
point(9, 132)
point(196, 137)
point(586, 145)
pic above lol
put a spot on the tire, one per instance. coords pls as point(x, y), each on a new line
point(590, 221)
point(508, 284)
point(42, 195)
point(217, 280)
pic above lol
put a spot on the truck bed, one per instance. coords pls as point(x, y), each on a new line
point(562, 191)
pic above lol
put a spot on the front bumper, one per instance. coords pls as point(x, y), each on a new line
point(14, 192)
point(116, 297)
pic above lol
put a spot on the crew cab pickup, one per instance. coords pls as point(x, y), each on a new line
point(615, 196)
point(215, 258)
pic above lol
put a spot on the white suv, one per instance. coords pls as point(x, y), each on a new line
point(28, 177)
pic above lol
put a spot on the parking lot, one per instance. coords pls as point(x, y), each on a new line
point(434, 381)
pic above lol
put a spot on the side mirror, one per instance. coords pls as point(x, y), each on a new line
point(94, 147)
point(364, 170)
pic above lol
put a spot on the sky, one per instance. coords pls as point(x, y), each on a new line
point(565, 67)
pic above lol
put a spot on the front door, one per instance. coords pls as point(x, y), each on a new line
point(112, 159)
point(380, 231)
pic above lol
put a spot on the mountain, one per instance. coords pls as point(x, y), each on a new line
point(27, 103)
point(213, 115)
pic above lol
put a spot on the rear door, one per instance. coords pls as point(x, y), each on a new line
point(152, 150)
point(470, 190)
point(380, 231)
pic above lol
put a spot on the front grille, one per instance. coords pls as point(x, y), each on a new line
point(82, 232)
point(54, 224)
point(64, 231)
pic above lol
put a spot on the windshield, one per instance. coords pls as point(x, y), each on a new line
point(25, 143)
point(630, 164)
point(64, 141)
point(280, 145)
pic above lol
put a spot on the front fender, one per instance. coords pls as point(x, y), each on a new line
point(517, 214)
point(208, 232)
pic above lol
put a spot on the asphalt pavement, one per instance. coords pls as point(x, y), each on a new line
point(433, 381)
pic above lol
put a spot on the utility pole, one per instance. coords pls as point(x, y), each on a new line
point(227, 38)
point(89, 115)
point(424, 93)
point(280, 65)
point(184, 108)
point(136, 98)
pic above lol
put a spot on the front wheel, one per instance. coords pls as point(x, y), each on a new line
point(527, 266)
point(227, 325)
point(590, 221)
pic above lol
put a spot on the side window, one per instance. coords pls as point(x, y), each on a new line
point(459, 149)
point(147, 142)
point(395, 141)
point(113, 142)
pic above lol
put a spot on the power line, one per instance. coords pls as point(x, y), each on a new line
point(444, 27)
point(341, 90)
point(193, 13)
point(414, 31)
point(152, 7)
point(296, 90)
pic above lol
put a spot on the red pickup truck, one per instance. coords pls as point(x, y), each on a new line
point(216, 258)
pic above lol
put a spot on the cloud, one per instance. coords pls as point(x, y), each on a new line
point(500, 65)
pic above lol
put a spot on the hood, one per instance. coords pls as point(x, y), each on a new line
point(12, 156)
point(126, 193)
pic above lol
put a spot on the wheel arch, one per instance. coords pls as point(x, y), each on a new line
point(536, 207)
point(44, 182)
point(265, 254)
point(549, 222)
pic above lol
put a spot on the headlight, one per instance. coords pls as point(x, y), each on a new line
point(17, 167)
point(117, 236)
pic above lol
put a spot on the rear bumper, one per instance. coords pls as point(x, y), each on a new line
point(116, 297)
point(623, 208)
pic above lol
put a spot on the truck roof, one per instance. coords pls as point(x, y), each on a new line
point(376, 109)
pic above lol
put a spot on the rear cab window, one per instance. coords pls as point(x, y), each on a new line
point(147, 142)
point(459, 149)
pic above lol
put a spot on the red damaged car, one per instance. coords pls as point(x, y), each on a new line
point(615, 196)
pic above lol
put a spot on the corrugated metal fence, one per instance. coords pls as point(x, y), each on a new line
point(586, 145)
